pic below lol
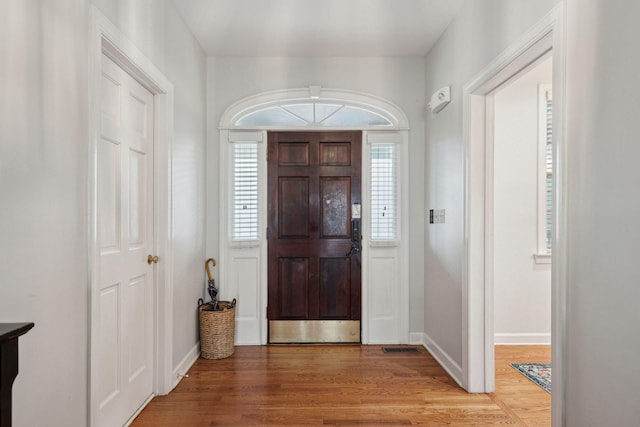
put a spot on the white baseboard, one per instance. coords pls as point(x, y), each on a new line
point(416, 338)
point(447, 363)
point(522, 339)
point(185, 364)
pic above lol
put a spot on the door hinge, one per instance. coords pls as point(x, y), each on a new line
point(266, 233)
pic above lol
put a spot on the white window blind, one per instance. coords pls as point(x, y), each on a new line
point(244, 191)
point(548, 168)
point(384, 192)
point(545, 173)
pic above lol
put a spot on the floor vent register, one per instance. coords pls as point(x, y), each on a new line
point(412, 350)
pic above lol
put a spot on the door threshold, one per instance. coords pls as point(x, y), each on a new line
point(314, 331)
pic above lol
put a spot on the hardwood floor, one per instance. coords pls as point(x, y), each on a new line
point(517, 395)
point(346, 386)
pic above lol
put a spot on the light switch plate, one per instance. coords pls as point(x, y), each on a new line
point(436, 216)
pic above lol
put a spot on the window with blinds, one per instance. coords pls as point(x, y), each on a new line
point(384, 192)
point(545, 172)
point(244, 191)
point(548, 168)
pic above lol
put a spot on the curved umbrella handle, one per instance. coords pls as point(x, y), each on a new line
point(206, 265)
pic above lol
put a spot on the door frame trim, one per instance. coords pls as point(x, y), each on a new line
point(478, 365)
point(253, 312)
point(107, 39)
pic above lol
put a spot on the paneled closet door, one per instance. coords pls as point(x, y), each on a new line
point(125, 260)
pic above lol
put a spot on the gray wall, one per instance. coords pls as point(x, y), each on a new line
point(481, 31)
point(603, 207)
point(398, 80)
point(44, 116)
point(603, 244)
point(43, 215)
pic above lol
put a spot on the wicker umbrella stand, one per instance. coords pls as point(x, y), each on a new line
point(217, 329)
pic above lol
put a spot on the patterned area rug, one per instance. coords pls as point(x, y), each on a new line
point(539, 373)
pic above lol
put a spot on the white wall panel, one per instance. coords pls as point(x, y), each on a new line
point(246, 287)
point(383, 295)
point(384, 273)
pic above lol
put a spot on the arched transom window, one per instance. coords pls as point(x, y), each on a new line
point(314, 108)
point(313, 114)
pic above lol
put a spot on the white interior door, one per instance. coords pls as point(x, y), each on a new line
point(123, 349)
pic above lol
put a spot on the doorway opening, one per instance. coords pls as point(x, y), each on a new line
point(522, 206)
point(521, 203)
point(478, 362)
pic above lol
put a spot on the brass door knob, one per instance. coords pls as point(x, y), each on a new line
point(151, 259)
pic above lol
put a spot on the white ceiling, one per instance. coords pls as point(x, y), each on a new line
point(319, 28)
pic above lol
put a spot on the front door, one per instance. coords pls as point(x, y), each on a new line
point(123, 351)
point(313, 238)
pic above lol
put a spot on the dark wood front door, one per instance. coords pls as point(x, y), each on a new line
point(314, 277)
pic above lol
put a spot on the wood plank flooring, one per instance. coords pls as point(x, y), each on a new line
point(346, 386)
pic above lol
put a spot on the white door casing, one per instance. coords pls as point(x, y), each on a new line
point(243, 267)
point(125, 281)
point(108, 42)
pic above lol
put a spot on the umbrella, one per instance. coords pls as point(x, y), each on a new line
point(211, 284)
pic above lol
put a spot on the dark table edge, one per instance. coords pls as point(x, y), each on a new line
point(15, 330)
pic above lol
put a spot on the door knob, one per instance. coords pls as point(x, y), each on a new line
point(151, 259)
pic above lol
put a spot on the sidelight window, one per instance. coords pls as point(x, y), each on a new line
point(244, 191)
point(384, 192)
